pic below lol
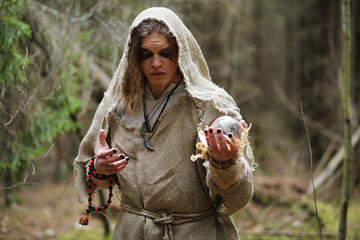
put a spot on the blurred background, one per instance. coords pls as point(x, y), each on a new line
point(57, 58)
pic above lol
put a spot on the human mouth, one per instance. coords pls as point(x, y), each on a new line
point(157, 73)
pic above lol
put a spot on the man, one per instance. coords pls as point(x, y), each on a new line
point(160, 97)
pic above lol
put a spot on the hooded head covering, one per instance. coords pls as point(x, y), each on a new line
point(193, 67)
point(191, 63)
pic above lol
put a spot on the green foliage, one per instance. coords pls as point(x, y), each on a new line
point(12, 32)
point(35, 108)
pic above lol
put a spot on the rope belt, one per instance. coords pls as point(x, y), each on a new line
point(168, 220)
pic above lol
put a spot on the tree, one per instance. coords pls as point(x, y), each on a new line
point(13, 82)
point(346, 105)
point(39, 99)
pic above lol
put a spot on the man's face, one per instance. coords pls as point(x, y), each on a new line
point(159, 63)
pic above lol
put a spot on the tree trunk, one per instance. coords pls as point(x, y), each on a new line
point(9, 195)
point(346, 105)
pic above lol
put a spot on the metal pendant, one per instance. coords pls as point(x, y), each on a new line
point(147, 137)
point(145, 127)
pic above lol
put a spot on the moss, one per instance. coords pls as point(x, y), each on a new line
point(85, 233)
point(296, 222)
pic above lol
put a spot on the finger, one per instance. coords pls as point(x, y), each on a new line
point(102, 138)
point(211, 139)
point(117, 158)
point(221, 140)
point(117, 169)
point(118, 164)
point(242, 123)
point(110, 165)
point(206, 132)
point(106, 153)
point(114, 170)
point(233, 146)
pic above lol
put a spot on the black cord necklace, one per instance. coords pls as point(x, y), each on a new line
point(155, 109)
point(146, 130)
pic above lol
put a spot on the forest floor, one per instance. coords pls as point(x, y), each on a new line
point(277, 211)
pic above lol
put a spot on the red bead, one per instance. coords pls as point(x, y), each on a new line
point(90, 189)
point(89, 168)
point(107, 204)
point(109, 198)
point(89, 202)
point(110, 177)
point(102, 208)
point(110, 185)
point(94, 172)
point(96, 209)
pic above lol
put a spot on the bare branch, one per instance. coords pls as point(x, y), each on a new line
point(24, 181)
point(311, 170)
point(49, 10)
point(84, 17)
point(325, 157)
point(47, 153)
point(99, 75)
point(27, 93)
point(311, 123)
point(102, 62)
point(334, 162)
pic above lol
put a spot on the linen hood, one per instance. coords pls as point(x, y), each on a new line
point(191, 62)
point(193, 67)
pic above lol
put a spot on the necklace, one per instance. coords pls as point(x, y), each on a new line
point(146, 130)
point(155, 109)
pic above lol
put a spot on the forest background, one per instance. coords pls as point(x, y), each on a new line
point(273, 56)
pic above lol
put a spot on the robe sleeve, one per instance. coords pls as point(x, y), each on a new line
point(239, 173)
point(81, 162)
point(87, 149)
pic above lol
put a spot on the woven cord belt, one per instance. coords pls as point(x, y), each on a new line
point(168, 220)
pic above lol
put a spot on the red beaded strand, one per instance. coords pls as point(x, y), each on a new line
point(92, 172)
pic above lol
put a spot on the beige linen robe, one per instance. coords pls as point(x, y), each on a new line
point(164, 194)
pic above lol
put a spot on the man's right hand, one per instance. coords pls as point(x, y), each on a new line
point(106, 161)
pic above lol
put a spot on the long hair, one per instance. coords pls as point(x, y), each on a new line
point(134, 80)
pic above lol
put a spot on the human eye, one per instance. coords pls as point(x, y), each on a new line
point(145, 53)
point(166, 53)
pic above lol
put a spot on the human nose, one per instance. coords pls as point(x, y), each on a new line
point(156, 61)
